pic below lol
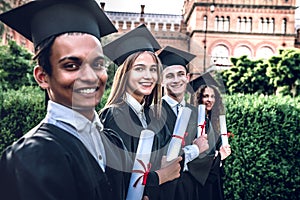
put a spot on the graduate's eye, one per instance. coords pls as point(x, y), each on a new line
point(153, 69)
point(99, 64)
point(71, 66)
point(169, 76)
point(180, 74)
point(138, 68)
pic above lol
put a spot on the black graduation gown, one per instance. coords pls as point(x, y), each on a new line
point(124, 121)
point(53, 164)
point(211, 187)
point(185, 186)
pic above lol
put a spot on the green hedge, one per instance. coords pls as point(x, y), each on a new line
point(265, 160)
point(20, 111)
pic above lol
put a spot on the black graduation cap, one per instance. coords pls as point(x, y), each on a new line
point(204, 79)
point(172, 56)
point(40, 19)
point(138, 39)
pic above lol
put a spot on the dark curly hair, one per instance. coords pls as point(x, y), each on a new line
point(217, 109)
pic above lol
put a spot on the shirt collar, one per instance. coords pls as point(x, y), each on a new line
point(172, 102)
point(67, 115)
point(133, 103)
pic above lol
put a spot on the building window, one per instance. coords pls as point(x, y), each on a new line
point(283, 26)
point(205, 23)
point(264, 52)
point(249, 25)
point(220, 55)
point(266, 25)
point(216, 23)
point(227, 24)
point(222, 23)
point(271, 26)
point(9, 36)
point(244, 24)
point(242, 51)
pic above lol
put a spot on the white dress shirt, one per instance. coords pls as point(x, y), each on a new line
point(137, 108)
point(190, 151)
point(88, 132)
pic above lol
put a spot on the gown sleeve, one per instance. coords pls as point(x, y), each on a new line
point(30, 170)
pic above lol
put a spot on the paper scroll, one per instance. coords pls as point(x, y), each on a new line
point(201, 120)
point(141, 166)
point(223, 129)
point(178, 133)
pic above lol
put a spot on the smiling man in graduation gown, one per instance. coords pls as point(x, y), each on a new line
point(69, 155)
point(175, 82)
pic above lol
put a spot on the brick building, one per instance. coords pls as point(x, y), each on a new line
point(226, 28)
point(214, 30)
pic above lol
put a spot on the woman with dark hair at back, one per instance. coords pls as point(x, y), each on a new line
point(217, 153)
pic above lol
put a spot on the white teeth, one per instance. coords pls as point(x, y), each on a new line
point(146, 84)
point(87, 91)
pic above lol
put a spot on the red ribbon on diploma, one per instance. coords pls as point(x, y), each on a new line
point(182, 138)
point(202, 127)
point(229, 134)
point(145, 173)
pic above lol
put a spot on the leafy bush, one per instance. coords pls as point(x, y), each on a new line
point(16, 66)
point(23, 109)
point(265, 162)
point(20, 111)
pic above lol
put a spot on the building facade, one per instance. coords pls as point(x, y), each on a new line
point(214, 30)
point(226, 28)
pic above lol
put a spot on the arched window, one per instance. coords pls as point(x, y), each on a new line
point(264, 52)
point(242, 50)
point(220, 55)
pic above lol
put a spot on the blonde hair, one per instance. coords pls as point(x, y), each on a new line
point(118, 90)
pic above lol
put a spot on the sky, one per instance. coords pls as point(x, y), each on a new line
point(151, 6)
point(159, 6)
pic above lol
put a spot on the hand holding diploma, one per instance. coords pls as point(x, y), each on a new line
point(223, 129)
point(179, 133)
point(201, 120)
point(202, 143)
point(141, 166)
point(169, 170)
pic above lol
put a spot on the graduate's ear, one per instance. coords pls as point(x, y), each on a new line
point(41, 77)
point(188, 76)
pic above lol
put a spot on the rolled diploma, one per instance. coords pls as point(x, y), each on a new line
point(179, 130)
point(223, 130)
point(201, 119)
point(143, 153)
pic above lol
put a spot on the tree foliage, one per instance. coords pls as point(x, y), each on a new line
point(284, 71)
point(16, 66)
point(279, 74)
point(247, 76)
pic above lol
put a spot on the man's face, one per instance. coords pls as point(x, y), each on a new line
point(78, 72)
point(175, 80)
